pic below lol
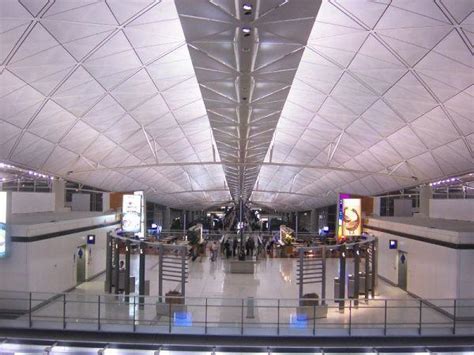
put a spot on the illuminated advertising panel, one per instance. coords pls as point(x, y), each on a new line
point(3, 225)
point(340, 214)
point(141, 233)
point(132, 213)
point(351, 217)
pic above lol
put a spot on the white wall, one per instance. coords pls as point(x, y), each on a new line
point(81, 202)
point(30, 202)
point(51, 262)
point(402, 208)
point(432, 269)
point(458, 209)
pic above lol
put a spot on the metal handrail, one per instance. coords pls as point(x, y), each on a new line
point(65, 318)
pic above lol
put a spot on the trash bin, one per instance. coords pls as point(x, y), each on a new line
point(351, 286)
point(250, 307)
point(336, 288)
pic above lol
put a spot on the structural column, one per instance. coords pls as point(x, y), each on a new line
point(426, 193)
point(59, 190)
point(356, 274)
point(128, 247)
point(166, 218)
point(185, 220)
point(108, 263)
point(297, 221)
point(141, 275)
point(116, 272)
point(314, 220)
point(342, 278)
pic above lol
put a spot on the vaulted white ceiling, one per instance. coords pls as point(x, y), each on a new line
point(105, 93)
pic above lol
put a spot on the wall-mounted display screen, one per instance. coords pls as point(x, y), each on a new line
point(3, 225)
point(393, 244)
point(91, 239)
point(132, 213)
point(351, 217)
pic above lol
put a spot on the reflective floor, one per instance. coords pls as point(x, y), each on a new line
point(217, 303)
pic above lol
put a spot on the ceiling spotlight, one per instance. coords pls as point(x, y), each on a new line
point(247, 9)
point(246, 31)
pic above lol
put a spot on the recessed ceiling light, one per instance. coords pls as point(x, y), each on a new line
point(247, 7)
point(246, 31)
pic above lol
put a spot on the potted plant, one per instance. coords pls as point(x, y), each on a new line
point(310, 307)
point(174, 297)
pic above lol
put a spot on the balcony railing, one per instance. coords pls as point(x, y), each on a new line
point(235, 316)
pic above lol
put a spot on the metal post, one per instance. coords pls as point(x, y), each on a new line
point(314, 319)
point(242, 318)
point(385, 319)
point(128, 247)
point(169, 317)
point(116, 266)
point(98, 312)
point(350, 317)
point(64, 311)
point(374, 267)
point(323, 283)
point(134, 313)
point(300, 270)
point(205, 318)
point(342, 279)
point(356, 275)
point(241, 231)
point(454, 319)
point(108, 264)
point(160, 273)
point(420, 320)
point(183, 271)
point(141, 282)
point(278, 318)
point(366, 275)
point(30, 322)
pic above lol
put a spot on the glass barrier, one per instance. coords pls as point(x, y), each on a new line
point(236, 316)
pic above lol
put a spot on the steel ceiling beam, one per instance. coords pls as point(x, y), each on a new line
point(247, 165)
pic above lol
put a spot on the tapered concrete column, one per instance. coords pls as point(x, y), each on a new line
point(59, 190)
point(314, 220)
point(166, 218)
point(426, 194)
point(297, 222)
point(184, 219)
point(105, 201)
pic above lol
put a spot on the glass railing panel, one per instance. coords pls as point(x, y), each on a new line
point(367, 317)
point(403, 317)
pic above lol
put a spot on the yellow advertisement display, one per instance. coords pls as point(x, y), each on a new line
point(351, 217)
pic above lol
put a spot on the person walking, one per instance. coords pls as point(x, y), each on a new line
point(251, 246)
point(235, 243)
point(214, 248)
point(227, 250)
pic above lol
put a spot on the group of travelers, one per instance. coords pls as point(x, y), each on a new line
point(228, 247)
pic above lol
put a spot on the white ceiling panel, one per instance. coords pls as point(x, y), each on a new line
point(361, 96)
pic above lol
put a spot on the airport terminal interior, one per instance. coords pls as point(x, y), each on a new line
point(236, 177)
